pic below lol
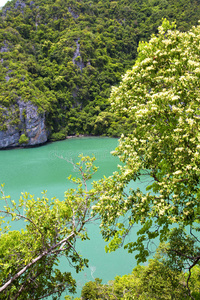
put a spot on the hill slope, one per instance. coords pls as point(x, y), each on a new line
point(60, 58)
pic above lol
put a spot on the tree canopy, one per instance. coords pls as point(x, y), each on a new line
point(155, 281)
point(161, 95)
point(30, 257)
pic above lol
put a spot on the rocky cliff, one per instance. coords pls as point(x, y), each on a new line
point(28, 129)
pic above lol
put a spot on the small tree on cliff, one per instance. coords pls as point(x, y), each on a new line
point(161, 96)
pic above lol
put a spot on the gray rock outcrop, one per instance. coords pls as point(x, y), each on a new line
point(74, 15)
point(30, 123)
point(77, 54)
point(9, 138)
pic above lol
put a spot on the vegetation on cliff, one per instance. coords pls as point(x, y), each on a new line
point(65, 55)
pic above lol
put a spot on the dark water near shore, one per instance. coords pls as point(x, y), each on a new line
point(36, 169)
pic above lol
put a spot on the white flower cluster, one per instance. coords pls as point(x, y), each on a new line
point(162, 96)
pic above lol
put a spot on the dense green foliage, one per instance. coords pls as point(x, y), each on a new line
point(160, 94)
point(155, 281)
point(65, 55)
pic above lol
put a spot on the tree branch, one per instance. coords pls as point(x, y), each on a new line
point(194, 263)
point(18, 274)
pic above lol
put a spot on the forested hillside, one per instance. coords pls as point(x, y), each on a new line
point(60, 58)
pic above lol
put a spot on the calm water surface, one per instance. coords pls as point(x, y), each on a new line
point(34, 170)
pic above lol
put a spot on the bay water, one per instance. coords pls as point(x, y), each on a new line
point(37, 169)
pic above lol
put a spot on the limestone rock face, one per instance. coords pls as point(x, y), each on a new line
point(9, 138)
point(31, 124)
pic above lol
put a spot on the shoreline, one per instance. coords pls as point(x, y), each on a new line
point(49, 141)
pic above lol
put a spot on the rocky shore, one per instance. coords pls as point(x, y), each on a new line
point(30, 129)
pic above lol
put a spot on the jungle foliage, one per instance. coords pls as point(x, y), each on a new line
point(155, 281)
point(160, 94)
point(65, 55)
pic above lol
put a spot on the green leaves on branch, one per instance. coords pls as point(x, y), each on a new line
point(28, 258)
point(161, 96)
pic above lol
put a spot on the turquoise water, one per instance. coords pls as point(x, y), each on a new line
point(34, 170)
